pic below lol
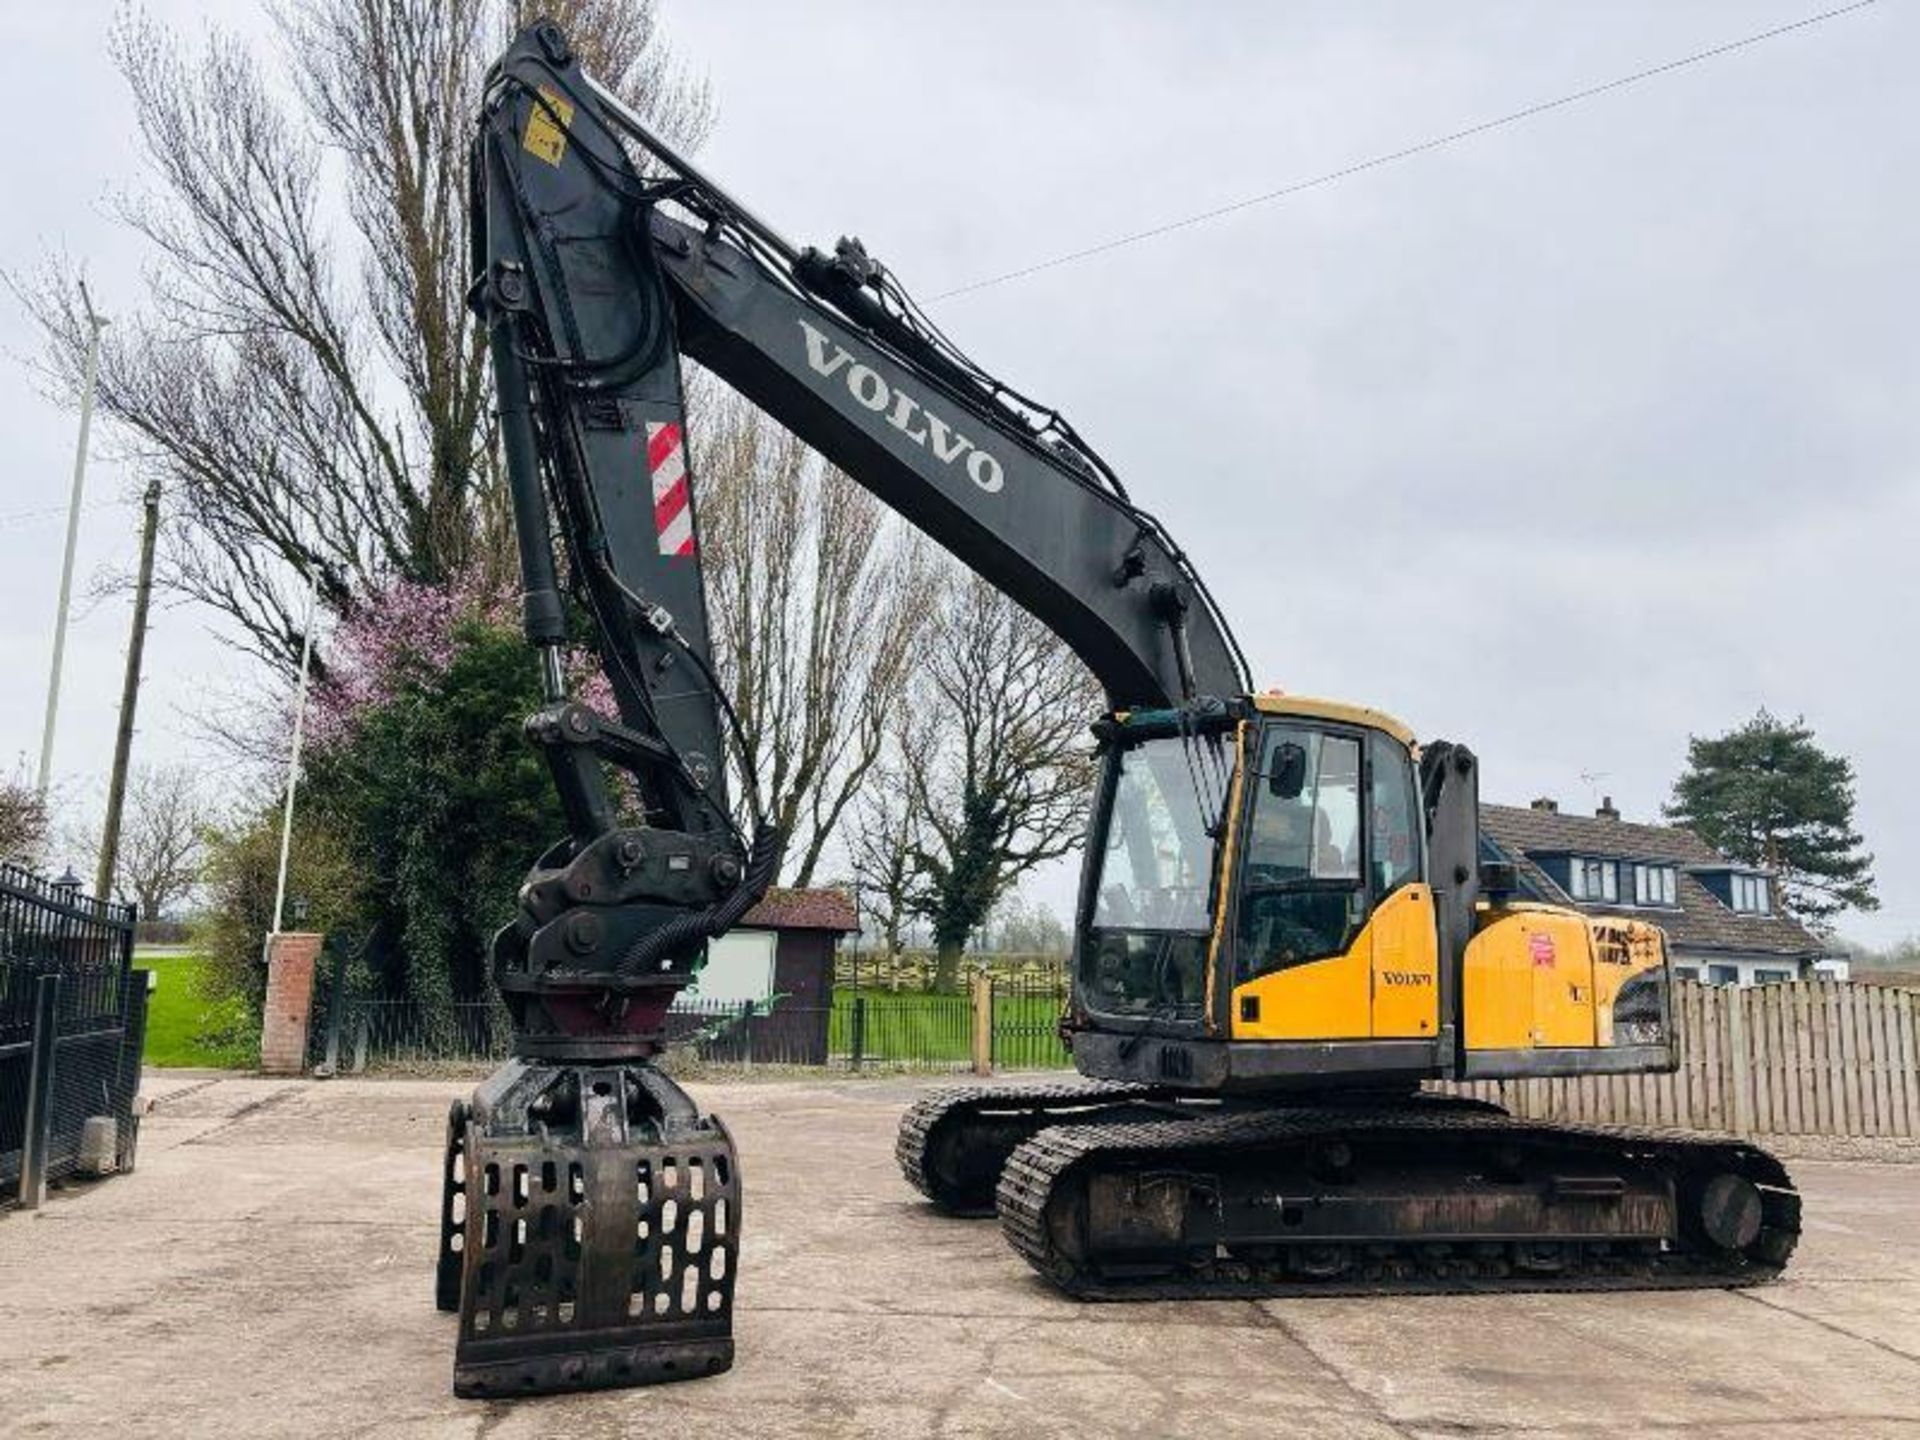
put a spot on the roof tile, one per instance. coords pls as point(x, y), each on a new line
point(785, 908)
point(1701, 921)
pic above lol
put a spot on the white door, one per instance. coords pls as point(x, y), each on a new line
point(739, 968)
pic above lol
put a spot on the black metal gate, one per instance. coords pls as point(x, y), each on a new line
point(1026, 1021)
point(73, 1014)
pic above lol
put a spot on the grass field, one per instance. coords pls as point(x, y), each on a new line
point(187, 1029)
point(909, 1028)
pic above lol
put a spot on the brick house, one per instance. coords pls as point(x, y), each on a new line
point(1719, 915)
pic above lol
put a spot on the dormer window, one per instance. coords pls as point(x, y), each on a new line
point(1752, 895)
point(1594, 879)
point(1656, 885)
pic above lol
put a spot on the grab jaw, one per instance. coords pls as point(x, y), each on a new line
point(589, 1231)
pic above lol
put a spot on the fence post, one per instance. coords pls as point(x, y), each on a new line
point(746, 1035)
point(859, 1029)
point(38, 1130)
point(1738, 1038)
point(982, 1023)
point(133, 1044)
point(336, 1011)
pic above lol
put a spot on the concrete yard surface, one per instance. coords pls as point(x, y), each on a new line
point(267, 1271)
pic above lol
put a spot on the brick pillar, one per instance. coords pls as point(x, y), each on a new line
point(283, 1026)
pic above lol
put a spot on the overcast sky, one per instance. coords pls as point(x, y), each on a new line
point(1567, 441)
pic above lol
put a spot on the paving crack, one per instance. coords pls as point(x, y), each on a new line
point(249, 1110)
point(1368, 1403)
point(1894, 1350)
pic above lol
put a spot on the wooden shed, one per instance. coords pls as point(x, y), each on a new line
point(777, 965)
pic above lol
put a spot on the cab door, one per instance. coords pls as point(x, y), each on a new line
point(1334, 932)
point(1303, 960)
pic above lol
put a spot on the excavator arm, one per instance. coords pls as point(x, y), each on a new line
point(599, 258)
point(594, 278)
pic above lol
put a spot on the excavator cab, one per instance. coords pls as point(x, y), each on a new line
point(1286, 890)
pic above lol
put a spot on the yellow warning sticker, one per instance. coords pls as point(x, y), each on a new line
point(547, 126)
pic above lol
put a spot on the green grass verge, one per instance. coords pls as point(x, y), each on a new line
point(188, 1029)
point(909, 1028)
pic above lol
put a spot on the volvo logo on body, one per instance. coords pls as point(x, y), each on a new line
point(869, 388)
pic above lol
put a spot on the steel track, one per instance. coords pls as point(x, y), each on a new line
point(924, 1124)
point(1033, 1177)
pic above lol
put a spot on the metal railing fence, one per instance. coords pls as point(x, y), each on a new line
point(859, 1030)
point(1026, 1010)
point(72, 1024)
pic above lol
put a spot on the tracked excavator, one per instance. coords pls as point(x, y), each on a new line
point(1287, 923)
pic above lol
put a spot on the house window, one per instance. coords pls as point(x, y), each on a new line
point(1595, 879)
point(1656, 885)
point(1686, 972)
point(1752, 895)
point(1772, 977)
point(1723, 974)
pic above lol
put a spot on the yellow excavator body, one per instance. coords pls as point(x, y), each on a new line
point(1351, 923)
point(1289, 928)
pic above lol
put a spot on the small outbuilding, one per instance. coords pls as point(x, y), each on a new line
point(775, 971)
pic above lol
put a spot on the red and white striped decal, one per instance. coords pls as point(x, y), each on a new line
point(667, 464)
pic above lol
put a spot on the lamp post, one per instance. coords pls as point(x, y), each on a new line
point(66, 891)
point(293, 755)
point(95, 324)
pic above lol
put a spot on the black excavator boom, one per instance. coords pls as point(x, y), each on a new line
point(590, 1212)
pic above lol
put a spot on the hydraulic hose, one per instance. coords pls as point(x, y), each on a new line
point(689, 929)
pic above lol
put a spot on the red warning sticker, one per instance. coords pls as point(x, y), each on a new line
point(1541, 945)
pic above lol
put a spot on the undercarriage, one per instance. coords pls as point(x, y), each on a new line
point(1117, 1193)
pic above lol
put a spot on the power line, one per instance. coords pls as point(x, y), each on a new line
point(1437, 142)
point(22, 517)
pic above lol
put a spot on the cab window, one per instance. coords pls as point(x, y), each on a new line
point(1159, 857)
point(1302, 891)
point(1145, 951)
point(1396, 838)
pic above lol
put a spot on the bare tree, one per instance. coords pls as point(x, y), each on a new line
point(1006, 786)
point(23, 820)
point(1021, 925)
point(886, 830)
point(305, 378)
point(163, 841)
point(817, 603)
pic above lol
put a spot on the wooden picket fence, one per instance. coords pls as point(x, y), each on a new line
point(1807, 1057)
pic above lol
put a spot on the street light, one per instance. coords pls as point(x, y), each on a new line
point(293, 753)
point(95, 325)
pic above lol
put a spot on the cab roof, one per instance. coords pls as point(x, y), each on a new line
point(1314, 707)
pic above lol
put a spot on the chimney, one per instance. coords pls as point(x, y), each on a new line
point(1551, 807)
point(1606, 810)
